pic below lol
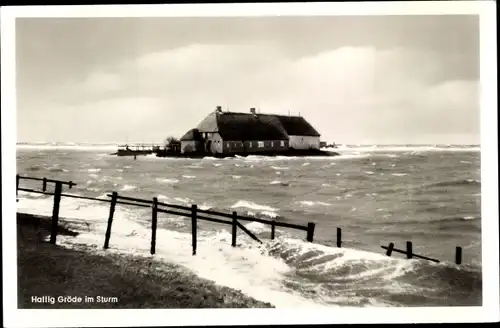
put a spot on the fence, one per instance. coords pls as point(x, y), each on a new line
point(193, 213)
point(157, 207)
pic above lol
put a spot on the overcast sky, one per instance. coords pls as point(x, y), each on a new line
point(357, 79)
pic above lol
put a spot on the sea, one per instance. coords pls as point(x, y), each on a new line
point(377, 194)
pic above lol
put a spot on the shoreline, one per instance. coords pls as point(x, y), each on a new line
point(94, 279)
point(289, 153)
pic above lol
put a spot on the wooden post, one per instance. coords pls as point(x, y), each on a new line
point(235, 231)
point(273, 229)
point(458, 255)
point(194, 209)
point(310, 231)
point(409, 249)
point(55, 212)
point(17, 184)
point(389, 249)
point(71, 184)
point(44, 186)
point(110, 219)
point(153, 225)
point(339, 237)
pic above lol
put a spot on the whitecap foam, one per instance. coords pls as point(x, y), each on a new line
point(270, 214)
point(256, 275)
point(167, 181)
point(399, 174)
point(312, 203)
point(189, 177)
point(94, 170)
point(253, 206)
point(184, 200)
point(404, 148)
point(280, 167)
point(194, 166)
point(128, 187)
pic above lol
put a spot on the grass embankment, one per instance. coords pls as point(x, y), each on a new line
point(51, 270)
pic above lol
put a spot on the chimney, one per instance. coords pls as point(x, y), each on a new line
point(218, 109)
point(252, 110)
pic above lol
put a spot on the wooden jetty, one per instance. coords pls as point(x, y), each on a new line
point(136, 149)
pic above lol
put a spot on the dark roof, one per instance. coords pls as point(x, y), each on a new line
point(242, 126)
point(246, 126)
point(297, 126)
point(192, 134)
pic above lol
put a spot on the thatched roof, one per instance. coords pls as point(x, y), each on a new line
point(242, 126)
point(247, 126)
point(297, 126)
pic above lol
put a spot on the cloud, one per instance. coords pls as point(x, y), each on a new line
point(349, 94)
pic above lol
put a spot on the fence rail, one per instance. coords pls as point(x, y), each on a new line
point(192, 212)
point(158, 207)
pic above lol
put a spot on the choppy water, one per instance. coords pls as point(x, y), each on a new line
point(377, 195)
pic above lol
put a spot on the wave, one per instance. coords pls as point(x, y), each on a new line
point(354, 273)
point(405, 148)
point(74, 147)
point(399, 174)
point(279, 182)
point(313, 203)
point(279, 167)
point(286, 271)
point(450, 219)
point(253, 206)
point(251, 272)
point(454, 183)
point(128, 187)
point(168, 181)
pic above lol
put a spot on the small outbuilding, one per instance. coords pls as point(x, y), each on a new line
point(191, 141)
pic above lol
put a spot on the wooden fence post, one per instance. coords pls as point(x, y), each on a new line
point(153, 225)
point(458, 255)
point(339, 237)
point(110, 219)
point(194, 209)
point(17, 184)
point(234, 230)
point(55, 212)
point(44, 185)
point(273, 229)
point(310, 231)
point(409, 249)
point(389, 249)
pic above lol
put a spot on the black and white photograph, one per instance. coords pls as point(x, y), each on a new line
point(264, 158)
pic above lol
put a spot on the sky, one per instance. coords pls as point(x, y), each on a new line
point(356, 79)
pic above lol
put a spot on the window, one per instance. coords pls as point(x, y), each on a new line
point(272, 143)
point(282, 143)
point(261, 144)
